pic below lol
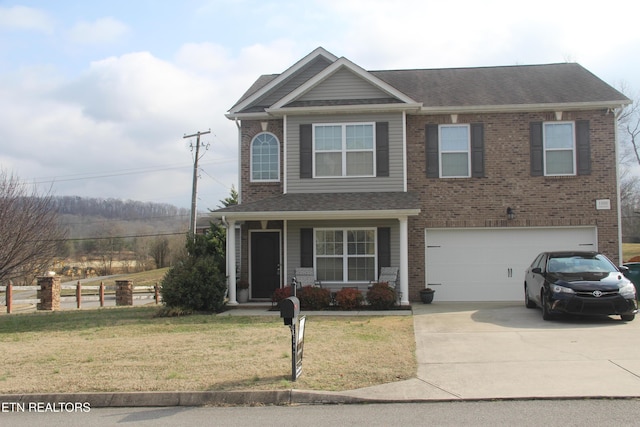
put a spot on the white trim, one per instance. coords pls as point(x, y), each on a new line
point(284, 162)
point(251, 179)
point(231, 262)
point(573, 147)
point(405, 172)
point(526, 108)
point(344, 151)
point(345, 253)
point(300, 215)
point(467, 151)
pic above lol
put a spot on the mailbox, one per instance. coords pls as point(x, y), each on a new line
point(289, 309)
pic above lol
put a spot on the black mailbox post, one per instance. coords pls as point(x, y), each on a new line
point(290, 310)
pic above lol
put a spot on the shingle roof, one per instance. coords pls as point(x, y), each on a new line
point(510, 85)
point(328, 202)
point(488, 86)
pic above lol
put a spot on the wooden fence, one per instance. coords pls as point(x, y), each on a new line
point(125, 292)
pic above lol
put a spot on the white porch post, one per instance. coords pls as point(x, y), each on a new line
point(231, 261)
point(404, 259)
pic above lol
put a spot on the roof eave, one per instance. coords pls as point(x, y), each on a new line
point(361, 108)
point(306, 215)
point(565, 106)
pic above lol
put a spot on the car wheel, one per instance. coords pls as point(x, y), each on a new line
point(528, 302)
point(627, 317)
point(546, 314)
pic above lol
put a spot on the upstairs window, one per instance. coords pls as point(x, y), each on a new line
point(265, 158)
point(559, 148)
point(455, 149)
point(344, 150)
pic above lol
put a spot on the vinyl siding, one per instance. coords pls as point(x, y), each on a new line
point(343, 84)
point(394, 182)
point(293, 239)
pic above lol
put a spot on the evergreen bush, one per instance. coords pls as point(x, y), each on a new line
point(381, 296)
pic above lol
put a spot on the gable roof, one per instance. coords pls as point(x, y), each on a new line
point(520, 87)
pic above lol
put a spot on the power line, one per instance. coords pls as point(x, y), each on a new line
point(79, 239)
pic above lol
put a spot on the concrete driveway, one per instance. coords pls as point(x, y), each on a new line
point(504, 350)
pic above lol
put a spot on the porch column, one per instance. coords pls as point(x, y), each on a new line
point(404, 259)
point(231, 261)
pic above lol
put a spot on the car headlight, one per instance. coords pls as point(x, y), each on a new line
point(562, 290)
point(628, 290)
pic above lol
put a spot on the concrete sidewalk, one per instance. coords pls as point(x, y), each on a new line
point(465, 351)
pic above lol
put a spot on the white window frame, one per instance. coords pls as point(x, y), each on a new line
point(345, 251)
point(467, 151)
point(344, 150)
point(252, 179)
point(573, 147)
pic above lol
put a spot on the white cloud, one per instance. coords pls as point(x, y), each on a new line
point(101, 31)
point(25, 18)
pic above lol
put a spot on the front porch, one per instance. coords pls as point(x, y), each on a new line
point(346, 238)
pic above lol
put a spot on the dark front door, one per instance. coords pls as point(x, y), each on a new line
point(265, 263)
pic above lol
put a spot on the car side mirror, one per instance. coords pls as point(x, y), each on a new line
point(537, 270)
point(623, 269)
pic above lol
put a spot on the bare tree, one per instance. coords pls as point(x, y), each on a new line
point(29, 230)
point(629, 125)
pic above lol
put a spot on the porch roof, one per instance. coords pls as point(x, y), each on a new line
point(290, 206)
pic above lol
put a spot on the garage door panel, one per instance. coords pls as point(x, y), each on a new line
point(489, 264)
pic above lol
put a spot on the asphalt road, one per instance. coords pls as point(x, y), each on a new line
point(623, 412)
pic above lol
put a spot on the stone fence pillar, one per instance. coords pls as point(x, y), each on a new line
point(49, 293)
point(124, 292)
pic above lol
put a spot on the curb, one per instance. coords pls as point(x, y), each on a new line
point(198, 398)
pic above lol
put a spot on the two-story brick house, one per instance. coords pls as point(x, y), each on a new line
point(458, 177)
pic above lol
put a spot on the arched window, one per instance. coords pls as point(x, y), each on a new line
point(265, 158)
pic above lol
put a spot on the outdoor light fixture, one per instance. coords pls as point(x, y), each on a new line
point(510, 214)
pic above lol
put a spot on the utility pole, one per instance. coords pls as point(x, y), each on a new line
point(194, 190)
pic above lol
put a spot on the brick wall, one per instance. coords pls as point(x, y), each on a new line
point(537, 201)
point(252, 191)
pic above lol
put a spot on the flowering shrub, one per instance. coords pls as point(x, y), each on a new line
point(313, 298)
point(280, 294)
point(381, 296)
point(349, 298)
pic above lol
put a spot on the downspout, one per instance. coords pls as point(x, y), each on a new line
point(616, 113)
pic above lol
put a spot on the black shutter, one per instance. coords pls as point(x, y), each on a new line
point(583, 147)
point(536, 147)
point(431, 149)
point(306, 247)
point(384, 247)
point(477, 150)
point(382, 149)
point(306, 151)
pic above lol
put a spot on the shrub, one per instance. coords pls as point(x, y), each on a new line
point(314, 298)
point(381, 296)
point(349, 298)
point(195, 284)
point(280, 294)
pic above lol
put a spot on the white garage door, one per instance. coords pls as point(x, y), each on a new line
point(489, 264)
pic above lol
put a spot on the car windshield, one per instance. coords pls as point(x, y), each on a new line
point(580, 264)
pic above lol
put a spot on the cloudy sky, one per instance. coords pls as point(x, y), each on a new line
point(96, 96)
